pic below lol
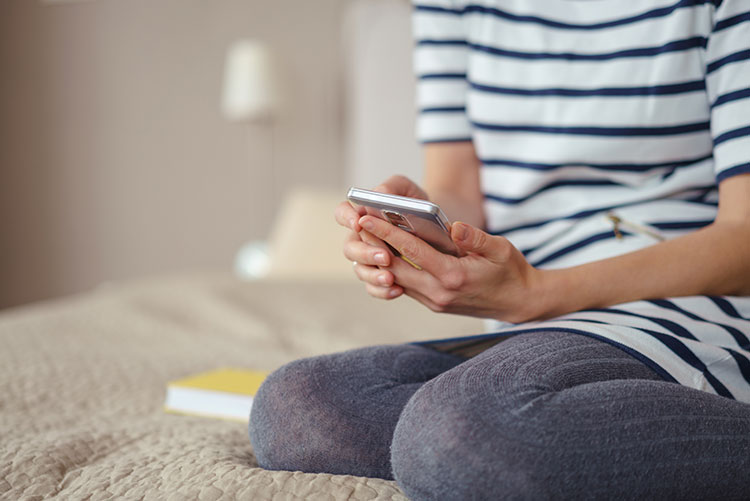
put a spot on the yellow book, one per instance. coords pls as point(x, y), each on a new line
point(222, 393)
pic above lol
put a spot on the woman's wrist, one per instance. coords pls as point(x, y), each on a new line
point(540, 298)
point(554, 293)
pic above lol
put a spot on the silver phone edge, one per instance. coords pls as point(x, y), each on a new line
point(359, 195)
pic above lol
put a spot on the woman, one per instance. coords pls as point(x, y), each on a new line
point(597, 154)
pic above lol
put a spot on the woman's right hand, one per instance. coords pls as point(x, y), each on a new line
point(368, 254)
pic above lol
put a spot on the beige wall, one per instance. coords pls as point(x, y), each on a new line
point(114, 159)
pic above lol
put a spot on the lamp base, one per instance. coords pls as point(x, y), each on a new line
point(253, 261)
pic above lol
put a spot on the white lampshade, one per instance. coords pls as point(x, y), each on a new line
point(249, 88)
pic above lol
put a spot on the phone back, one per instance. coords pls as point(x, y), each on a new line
point(419, 217)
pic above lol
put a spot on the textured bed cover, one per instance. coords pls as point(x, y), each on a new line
point(82, 384)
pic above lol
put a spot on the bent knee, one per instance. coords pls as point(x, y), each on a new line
point(311, 415)
point(449, 449)
point(273, 420)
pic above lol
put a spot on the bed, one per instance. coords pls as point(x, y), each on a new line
point(83, 379)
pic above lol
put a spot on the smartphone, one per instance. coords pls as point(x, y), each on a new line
point(419, 217)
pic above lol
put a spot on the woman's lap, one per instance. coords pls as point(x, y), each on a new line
point(539, 415)
point(548, 417)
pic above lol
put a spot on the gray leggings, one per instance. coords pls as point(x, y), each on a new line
point(549, 415)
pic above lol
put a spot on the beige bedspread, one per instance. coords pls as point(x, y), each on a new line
point(82, 383)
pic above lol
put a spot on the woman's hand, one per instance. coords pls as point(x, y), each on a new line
point(369, 255)
point(493, 280)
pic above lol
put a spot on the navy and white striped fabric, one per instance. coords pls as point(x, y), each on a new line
point(584, 109)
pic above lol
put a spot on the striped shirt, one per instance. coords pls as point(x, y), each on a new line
point(602, 127)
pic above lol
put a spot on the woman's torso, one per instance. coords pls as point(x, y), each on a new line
point(582, 108)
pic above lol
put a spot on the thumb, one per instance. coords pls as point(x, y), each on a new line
point(474, 240)
point(469, 238)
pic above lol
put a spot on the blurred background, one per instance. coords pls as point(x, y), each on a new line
point(145, 137)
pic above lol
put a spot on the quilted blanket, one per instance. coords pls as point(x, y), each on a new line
point(82, 383)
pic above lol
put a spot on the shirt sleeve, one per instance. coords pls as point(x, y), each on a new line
point(728, 86)
point(440, 64)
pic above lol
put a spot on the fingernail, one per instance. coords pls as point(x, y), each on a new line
point(461, 231)
point(393, 292)
point(352, 223)
point(383, 279)
point(366, 224)
point(380, 258)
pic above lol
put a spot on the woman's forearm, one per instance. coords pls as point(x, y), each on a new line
point(451, 179)
point(712, 261)
point(469, 211)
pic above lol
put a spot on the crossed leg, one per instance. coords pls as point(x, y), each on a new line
point(544, 415)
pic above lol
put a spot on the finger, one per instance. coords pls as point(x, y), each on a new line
point(348, 216)
point(366, 254)
point(373, 275)
point(412, 279)
point(409, 246)
point(418, 296)
point(384, 292)
point(369, 239)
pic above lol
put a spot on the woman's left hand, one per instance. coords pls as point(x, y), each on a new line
point(493, 280)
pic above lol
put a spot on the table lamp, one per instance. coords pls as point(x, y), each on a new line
point(249, 96)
